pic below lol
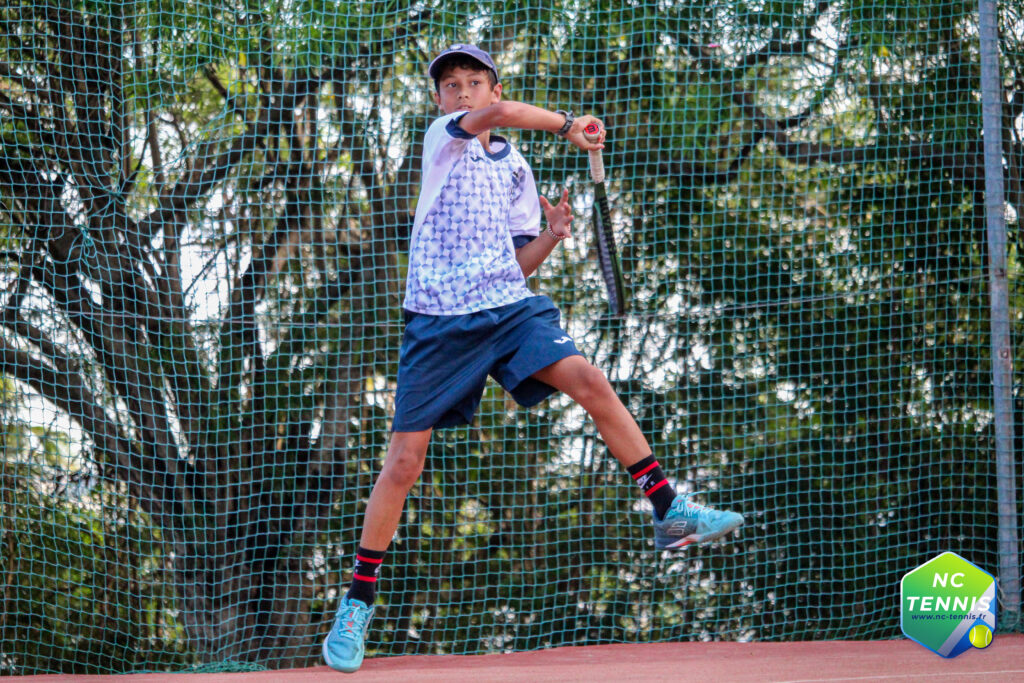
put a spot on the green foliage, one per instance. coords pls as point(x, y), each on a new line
point(84, 588)
point(204, 210)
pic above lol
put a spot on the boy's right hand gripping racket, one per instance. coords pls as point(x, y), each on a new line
point(607, 257)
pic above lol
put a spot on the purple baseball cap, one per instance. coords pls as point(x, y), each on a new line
point(462, 49)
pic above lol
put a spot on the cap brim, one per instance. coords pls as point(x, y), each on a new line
point(434, 70)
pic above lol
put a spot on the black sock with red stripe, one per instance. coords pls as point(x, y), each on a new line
point(364, 578)
point(652, 482)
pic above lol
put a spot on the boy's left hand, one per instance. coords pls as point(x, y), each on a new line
point(559, 216)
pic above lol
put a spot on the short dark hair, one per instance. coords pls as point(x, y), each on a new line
point(465, 62)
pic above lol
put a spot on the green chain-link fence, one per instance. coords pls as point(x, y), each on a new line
point(204, 216)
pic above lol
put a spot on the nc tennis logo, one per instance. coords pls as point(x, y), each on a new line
point(948, 605)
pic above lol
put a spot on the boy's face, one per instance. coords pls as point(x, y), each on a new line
point(462, 89)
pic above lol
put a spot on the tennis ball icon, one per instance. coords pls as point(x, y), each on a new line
point(980, 636)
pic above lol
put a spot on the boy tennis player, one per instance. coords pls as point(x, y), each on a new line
point(469, 314)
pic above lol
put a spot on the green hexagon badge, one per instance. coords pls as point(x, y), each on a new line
point(948, 605)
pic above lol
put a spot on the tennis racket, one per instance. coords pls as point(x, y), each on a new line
point(607, 257)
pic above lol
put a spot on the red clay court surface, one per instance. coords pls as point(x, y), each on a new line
point(885, 660)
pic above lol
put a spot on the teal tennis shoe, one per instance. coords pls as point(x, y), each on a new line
point(687, 522)
point(345, 644)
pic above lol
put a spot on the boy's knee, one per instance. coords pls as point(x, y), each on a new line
point(592, 385)
point(404, 466)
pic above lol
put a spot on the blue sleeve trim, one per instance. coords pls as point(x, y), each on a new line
point(455, 130)
point(520, 241)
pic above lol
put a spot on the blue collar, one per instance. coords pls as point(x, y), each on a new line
point(501, 153)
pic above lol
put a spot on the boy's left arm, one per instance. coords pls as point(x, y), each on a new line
point(559, 219)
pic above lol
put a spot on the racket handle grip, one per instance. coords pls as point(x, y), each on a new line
point(593, 133)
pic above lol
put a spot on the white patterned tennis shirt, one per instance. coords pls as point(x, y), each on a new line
point(472, 203)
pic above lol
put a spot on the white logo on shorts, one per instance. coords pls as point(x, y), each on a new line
point(563, 340)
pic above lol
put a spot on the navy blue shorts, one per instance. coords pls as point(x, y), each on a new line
point(445, 361)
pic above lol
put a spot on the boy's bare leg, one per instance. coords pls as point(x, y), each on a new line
point(344, 647)
point(589, 387)
point(402, 468)
point(675, 525)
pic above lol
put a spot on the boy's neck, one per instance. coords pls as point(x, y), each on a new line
point(485, 140)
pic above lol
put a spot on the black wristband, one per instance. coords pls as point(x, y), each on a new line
point(569, 118)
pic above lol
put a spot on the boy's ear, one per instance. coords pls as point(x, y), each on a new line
point(496, 92)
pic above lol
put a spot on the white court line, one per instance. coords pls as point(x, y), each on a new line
point(896, 677)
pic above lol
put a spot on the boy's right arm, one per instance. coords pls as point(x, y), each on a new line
point(509, 114)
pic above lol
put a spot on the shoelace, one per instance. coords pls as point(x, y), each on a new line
point(687, 496)
point(351, 622)
point(697, 507)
